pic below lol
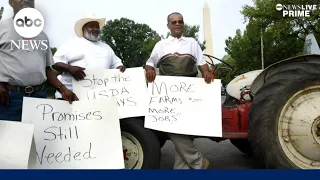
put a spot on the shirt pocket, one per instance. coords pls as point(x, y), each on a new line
point(169, 49)
point(104, 61)
point(98, 62)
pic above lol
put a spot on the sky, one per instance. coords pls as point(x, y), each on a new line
point(61, 15)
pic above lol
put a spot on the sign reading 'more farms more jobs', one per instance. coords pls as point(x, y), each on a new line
point(129, 87)
point(81, 135)
point(185, 105)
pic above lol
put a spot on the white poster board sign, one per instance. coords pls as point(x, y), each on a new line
point(81, 135)
point(185, 105)
point(15, 144)
point(129, 87)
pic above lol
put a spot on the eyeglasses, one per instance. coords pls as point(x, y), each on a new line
point(175, 22)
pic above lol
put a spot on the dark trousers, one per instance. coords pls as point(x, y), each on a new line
point(13, 111)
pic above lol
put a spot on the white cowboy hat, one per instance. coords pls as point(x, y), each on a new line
point(89, 17)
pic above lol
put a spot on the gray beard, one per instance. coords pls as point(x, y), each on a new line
point(91, 37)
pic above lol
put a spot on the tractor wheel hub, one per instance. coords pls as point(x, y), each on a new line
point(299, 128)
point(132, 151)
point(316, 130)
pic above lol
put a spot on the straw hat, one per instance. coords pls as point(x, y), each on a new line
point(89, 17)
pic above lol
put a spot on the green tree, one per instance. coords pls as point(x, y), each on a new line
point(53, 50)
point(282, 37)
point(192, 31)
point(226, 77)
point(132, 42)
point(265, 13)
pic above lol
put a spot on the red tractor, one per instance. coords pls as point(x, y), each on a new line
point(273, 114)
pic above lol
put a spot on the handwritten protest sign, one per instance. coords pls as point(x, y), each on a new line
point(185, 105)
point(84, 135)
point(129, 87)
point(15, 144)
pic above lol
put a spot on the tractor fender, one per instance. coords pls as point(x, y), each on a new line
point(240, 83)
point(279, 66)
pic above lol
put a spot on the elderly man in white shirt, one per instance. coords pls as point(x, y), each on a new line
point(85, 52)
point(180, 56)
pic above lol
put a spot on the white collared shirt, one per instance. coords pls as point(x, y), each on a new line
point(171, 45)
point(83, 53)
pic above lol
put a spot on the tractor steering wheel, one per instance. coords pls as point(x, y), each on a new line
point(230, 68)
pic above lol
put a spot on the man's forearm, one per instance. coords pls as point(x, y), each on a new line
point(54, 81)
point(52, 78)
point(204, 68)
point(61, 67)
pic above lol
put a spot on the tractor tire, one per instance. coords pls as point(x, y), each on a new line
point(162, 142)
point(141, 147)
point(284, 119)
point(243, 145)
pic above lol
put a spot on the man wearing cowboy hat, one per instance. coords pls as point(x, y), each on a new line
point(85, 52)
point(23, 73)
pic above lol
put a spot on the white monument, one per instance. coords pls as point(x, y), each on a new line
point(207, 30)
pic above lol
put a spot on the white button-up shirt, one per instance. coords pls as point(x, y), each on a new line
point(83, 53)
point(171, 45)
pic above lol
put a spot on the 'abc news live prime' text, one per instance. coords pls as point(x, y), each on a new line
point(295, 10)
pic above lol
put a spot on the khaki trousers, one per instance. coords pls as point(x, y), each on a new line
point(186, 154)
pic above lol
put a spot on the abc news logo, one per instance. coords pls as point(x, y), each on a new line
point(29, 23)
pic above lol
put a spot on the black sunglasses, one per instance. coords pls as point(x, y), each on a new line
point(175, 22)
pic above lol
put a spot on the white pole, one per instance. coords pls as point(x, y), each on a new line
point(262, 59)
